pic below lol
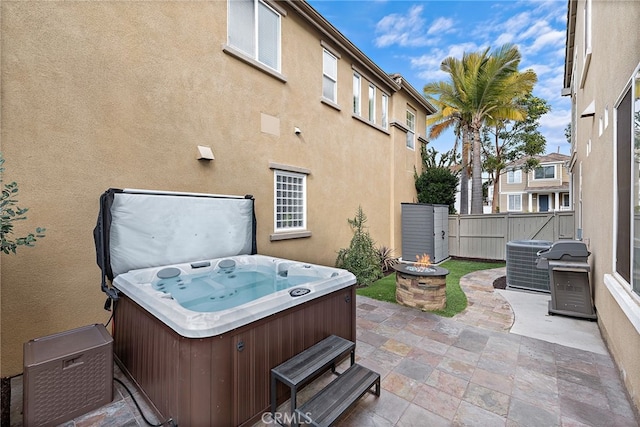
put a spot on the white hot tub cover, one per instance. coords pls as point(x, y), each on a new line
point(140, 228)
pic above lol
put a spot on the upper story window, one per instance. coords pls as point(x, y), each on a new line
point(356, 94)
point(290, 201)
point(411, 130)
point(385, 111)
point(372, 103)
point(254, 29)
point(514, 176)
point(545, 172)
point(329, 76)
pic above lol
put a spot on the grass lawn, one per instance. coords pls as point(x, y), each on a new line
point(385, 288)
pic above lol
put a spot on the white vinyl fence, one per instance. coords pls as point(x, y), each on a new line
point(485, 236)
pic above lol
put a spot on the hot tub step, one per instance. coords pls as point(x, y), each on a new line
point(325, 408)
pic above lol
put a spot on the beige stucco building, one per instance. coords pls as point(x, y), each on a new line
point(121, 94)
point(543, 189)
point(602, 77)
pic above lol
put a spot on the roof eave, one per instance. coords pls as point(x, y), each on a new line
point(572, 6)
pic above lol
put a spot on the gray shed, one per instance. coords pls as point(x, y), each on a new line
point(425, 230)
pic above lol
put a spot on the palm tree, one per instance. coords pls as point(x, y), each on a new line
point(492, 84)
point(451, 113)
point(482, 87)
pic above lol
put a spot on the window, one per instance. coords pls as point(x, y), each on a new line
point(411, 129)
point(356, 94)
point(545, 172)
point(372, 103)
point(515, 202)
point(329, 76)
point(628, 185)
point(514, 176)
point(254, 29)
point(565, 201)
point(385, 111)
point(290, 201)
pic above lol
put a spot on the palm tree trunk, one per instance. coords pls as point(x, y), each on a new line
point(476, 174)
point(496, 191)
point(464, 173)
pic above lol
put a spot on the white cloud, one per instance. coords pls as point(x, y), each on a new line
point(428, 65)
point(556, 120)
point(441, 26)
point(551, 38)
point(403, 30)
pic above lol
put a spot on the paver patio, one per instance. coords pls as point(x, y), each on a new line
point(464, 371)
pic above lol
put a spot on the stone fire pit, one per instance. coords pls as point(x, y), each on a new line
point(420, 286)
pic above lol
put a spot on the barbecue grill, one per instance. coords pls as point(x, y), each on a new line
point(566, 261)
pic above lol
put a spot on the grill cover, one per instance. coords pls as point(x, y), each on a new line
point(566, 250)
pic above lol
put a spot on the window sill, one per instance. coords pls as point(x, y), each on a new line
point(252, 62)
point(330, 103)
point(289, 235)
point(373, 125)
point(628, 303)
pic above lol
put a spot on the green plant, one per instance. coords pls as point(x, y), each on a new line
point(361, 257)
point(11, 212)
point(387, 260)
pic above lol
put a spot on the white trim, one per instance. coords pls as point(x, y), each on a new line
point(628, 302)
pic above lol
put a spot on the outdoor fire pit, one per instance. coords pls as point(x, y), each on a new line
point(421, 285)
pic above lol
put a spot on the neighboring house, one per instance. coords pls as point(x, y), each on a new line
point(543, 189)
point(602, 77)
point(122, 94)
point(486, 203)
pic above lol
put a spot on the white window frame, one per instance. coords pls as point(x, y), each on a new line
point(254, 51)
point(511, 202)
point(385, 111)
point(330, 75)
point(514, 176)
point(290, 201)
point(544, 167)
point(357, 94)
point(372, 104)
point(411, 130)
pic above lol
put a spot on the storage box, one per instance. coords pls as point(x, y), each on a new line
point(67, 375)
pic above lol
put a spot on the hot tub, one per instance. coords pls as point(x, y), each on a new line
point(199, 317)
point(207, 298)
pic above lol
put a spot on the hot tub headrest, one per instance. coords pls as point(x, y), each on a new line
point(566, 250)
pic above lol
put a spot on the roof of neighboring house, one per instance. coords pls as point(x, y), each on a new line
point(555, 188)
point(543, 159)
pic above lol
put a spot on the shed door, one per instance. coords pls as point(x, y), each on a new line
point(440, 233)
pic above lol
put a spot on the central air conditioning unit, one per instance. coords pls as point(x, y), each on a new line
point(522, 272)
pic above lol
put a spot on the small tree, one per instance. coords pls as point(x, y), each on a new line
point(9, 213)
point(361, 257)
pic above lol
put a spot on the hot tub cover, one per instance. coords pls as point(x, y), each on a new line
point(141, 228)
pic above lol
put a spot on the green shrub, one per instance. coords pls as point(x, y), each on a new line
point(361, 257)
point(387, 260)
point(10, 212)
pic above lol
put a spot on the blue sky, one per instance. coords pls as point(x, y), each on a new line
point(413, 37)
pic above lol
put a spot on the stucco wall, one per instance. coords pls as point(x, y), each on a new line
point(119, 94)
point(615, 55)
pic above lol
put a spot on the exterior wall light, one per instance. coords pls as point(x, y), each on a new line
point(205, 153)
